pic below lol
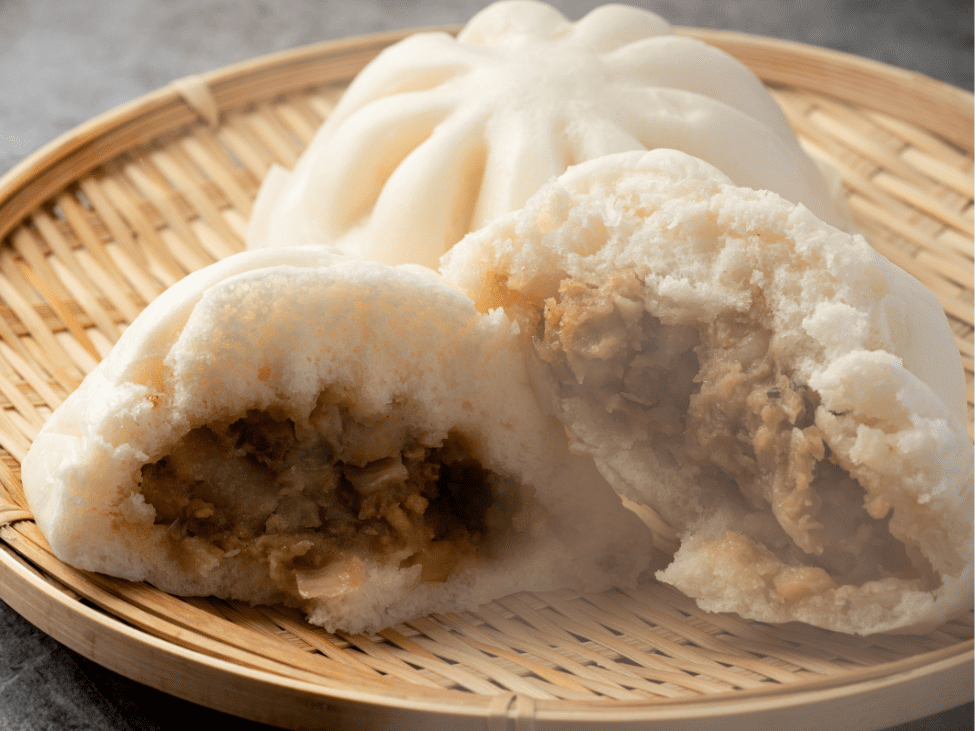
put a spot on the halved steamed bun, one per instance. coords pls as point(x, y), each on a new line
point(792, 404)
point(348, 438)
point(439, 135)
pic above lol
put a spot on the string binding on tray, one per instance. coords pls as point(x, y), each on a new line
point(199, 97)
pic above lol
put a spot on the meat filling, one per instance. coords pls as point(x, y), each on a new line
point(313, 505)
point(712, 394)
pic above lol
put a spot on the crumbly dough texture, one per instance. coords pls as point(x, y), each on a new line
point(352, 439)
point(439, 135)
point(786, 399)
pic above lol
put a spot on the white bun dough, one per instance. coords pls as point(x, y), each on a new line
point(349, 438)
point(791, 403)
point(439, 135)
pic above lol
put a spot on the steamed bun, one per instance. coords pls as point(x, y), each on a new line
point(352, 439)
point(439, 135)
point(787, 400)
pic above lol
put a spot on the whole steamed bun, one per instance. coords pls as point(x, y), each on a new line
point(791, 403)
point(439, 135)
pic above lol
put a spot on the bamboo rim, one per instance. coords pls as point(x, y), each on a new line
point(908, 177)
point(296, 701)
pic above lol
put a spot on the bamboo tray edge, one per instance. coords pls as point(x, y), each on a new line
point(180, 671)
point(937, 679)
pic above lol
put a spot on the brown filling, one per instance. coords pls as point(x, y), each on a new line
point(712, 394)
point(313, 505)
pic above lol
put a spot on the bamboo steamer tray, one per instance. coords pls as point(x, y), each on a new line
point(98, 223)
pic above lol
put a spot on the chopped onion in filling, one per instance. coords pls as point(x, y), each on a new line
point(713, 395)
point(313, 506)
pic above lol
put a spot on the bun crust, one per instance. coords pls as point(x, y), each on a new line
point(439, 135)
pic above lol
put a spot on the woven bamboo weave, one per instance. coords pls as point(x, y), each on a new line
point(99, 223)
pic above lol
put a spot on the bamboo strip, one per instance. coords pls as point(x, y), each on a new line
point(686, 653)
point(487, 637)
point(56, 369)
point(9, 268)
point(20, 402)
point(315, 638)
point(297, 123)
point(216, 245)
point(126, 201)
point(61, 365)
point(516, 604)
point(491, 645)
point(924, 202)
point(283, 146)
point(203, 148)
point(255, 164)
point(605, 684)
point(237, 135)
point(11, 438)
point(112, 220)
point(152, 186)
point(943, 172)
point(76, 218)
point(61, 307)
point(956, 243)
point(323, 106)
point(886, 158)
point(238, 222)
point(394, 667)
point(58, 244)
point(574, 650)
point(958, 156)
point(455, 675)
point(86, 299)
point(577, 623)
point(467, 657)
point(23, 425)
point(146, 287)
point(174, 169)
point(602, 612)
point(20, 362)
point(606, 650)
point(865, 208)
point(84, 360)
point(27, 245)
point(188, 256)
point(949, 266)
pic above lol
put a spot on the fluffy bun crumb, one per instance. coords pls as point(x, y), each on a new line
point(788, 401)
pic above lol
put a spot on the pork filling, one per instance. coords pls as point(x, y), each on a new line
point(713, 395)
point(312, 504)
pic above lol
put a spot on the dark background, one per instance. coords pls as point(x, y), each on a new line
point(63, 61)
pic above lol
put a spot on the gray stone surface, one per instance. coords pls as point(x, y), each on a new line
point(64, 61)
